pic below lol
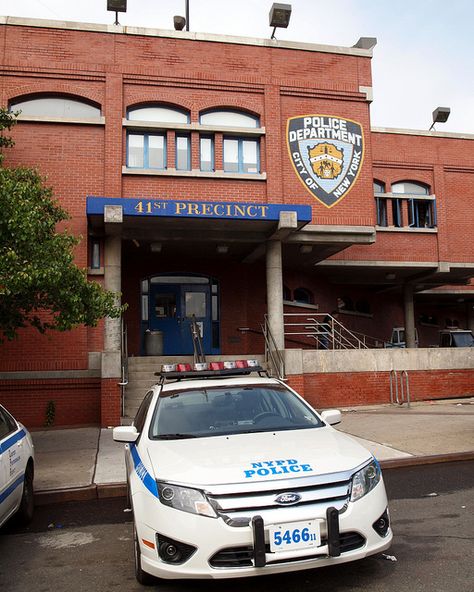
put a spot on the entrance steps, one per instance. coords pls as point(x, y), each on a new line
point(141, 375)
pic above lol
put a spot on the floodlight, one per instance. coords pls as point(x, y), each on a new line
point(179, 22)
point(366, 43)
point(117, 6)
point(279, 16)
point(440, 115)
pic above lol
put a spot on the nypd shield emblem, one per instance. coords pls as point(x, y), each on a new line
point(327, 154)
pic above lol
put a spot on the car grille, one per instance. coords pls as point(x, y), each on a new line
point(243, 556)
point(320, 493)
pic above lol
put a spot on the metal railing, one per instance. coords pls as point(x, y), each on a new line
point(273, 358)
point(123, 362)
point(320, 331)
point(198, 351)
point(399, 394)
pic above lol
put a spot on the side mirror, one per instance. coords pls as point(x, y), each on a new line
point(331, 416)
point(125, 434)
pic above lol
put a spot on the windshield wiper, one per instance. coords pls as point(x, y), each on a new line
point(175, 436)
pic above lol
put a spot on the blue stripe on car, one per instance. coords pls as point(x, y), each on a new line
point(8, 443)
point(142, 473)
point(11, 489)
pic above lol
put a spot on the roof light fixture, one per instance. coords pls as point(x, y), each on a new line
point(179, 22)
point(279, 16)
point(366, 43)
point(440, 115)
point(117, 6)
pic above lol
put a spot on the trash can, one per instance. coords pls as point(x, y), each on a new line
point(154, 343)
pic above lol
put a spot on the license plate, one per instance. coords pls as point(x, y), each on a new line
point(294, 535)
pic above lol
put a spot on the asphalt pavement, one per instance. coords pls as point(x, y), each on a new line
point(85, 463)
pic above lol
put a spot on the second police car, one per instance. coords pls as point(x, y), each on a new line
point(233, 474)
point(16, 469)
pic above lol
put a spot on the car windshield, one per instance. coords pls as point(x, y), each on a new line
point(463, 339)
point(216, 411)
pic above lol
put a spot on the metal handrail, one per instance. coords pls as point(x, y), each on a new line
point(272, 353)
point(123, 362)
point(324, 329)
point(198, 350)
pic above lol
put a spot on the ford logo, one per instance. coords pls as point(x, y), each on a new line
point(288, 498)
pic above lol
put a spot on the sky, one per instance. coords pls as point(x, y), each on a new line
point(424, 56)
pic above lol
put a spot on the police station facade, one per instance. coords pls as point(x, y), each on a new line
point(236, 181)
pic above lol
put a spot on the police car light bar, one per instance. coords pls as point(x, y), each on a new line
point(209, 370)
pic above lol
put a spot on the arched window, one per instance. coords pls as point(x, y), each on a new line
point(241, 153)
point(148, 149)
point(379, 187)
point(421, 205)
point(158, 113)
point(303, 295)
point(229, 118)
point(56, 106)
point(411, 187)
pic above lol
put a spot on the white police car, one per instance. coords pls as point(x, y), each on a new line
point(231, 474)
point(16, 469)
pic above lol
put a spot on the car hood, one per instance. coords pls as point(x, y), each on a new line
point(250, 458)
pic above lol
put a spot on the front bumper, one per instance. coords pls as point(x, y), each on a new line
point(224, 551)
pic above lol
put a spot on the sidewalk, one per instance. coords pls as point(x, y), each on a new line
point(85, 463)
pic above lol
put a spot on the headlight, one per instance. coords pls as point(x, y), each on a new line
point(365, 480)
point(185, 499)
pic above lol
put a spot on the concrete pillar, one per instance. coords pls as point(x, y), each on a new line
point(275, 293)
point(112, 282)
point(410, 334)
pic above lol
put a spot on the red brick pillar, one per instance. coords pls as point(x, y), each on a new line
point(110, 402)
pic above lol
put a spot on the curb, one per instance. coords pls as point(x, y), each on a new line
point(80, 494)
point(111, 490)
point(416, 461)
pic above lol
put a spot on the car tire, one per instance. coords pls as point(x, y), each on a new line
point(27, 504)
point(143, 577)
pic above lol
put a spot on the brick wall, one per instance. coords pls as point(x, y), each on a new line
point(76, 401)
point(365, 388)
point(110, 407)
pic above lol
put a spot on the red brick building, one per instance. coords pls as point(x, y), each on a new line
point(230, 179)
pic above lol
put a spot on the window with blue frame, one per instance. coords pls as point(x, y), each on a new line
point(380, 204)
point(146, 151)
point(241, 155)
point(397, 213)
point(421, 205)
point(183, 152)
point(206, 153)
point(241, 151)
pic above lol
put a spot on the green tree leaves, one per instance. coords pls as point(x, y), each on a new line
point(40, 285)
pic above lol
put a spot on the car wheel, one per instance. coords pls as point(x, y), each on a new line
point(143, 578)
point(25, 511)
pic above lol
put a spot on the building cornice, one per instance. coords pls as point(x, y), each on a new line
point(412, 132)
point(183, 35)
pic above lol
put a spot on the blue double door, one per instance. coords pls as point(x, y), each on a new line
point(172, 310)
